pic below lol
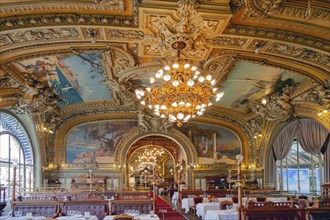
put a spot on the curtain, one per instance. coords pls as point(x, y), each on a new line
point(283, 142)
point(326, 151)
point(311, 135)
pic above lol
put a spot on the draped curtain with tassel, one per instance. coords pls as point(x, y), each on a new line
point(311, 135)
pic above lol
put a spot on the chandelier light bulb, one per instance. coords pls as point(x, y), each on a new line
point(175, 83)
point(174, 104)
point(167, 77)
point(264, 101)
point(209, 77)
point(214, 89)
point(159, 74)
point(201, 79)
point(219, 95)
point(152, 80)
point(193, 68)
point(181, 104)
point(167, 68)
point(180, 115)
point(188, 105)
point(162, 116)
point(148, 89)
point(143, 102)
point(156, 106)
point(172, 117)
point(190, 82)
point(213, 82)
point(150, 106)
point(186, 66)
point(175, 66)
point(163, 107)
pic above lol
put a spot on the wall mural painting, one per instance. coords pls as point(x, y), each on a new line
point(256, 82)
point(74, 77)
point(96, 142)
point(213, 144)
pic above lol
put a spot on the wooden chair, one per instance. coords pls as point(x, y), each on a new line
point(235, 199)
point(123, 217)
point(261, 199)
point(226, 205)
point(196, 201)
point(303, 197)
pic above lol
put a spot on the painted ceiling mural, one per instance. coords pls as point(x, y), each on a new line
point(75, 77)
point(250, 82)
point(213, 144)
point(96, 142)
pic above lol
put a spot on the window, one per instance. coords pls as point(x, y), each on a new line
point(15, 152)
point(300, 171)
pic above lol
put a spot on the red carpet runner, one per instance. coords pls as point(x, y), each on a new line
point(171, 214)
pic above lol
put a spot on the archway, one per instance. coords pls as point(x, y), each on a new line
point(153, 159)
point(187, 152)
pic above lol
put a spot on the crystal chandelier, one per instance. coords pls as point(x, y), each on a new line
point(149, 156)
point(179, 91)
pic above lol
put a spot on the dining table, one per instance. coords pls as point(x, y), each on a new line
point(23, 218)
point(230, 214)
point(77, 217)
point(137, 217)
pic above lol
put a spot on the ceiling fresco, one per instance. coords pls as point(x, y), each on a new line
point(249, 82)
point(74, 77)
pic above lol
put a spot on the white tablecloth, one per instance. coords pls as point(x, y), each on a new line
point(231, 214)
point(22, 218)
point(92, 217)
point(202, 208)
point(189, 202)
point(277, 199)
point(175, 198)
point(139, 217)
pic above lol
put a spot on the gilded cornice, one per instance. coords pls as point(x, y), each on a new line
point(305, 17)
point(278, 35)
point(11, 8)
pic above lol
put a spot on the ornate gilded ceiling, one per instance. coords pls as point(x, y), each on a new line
point(63, 59)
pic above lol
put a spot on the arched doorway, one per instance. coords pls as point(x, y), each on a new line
point(155, 159)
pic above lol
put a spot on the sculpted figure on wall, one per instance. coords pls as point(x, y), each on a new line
point(278, 107)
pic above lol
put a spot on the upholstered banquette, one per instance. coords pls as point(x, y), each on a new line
point(45, 208)
point(118, 207)
point(94, 207)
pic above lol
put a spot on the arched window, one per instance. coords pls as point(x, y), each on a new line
point(300, 152)
point(300, 171)
point(15, 151)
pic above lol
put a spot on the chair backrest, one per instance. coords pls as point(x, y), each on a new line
point(235, 199)
point(261, 199)
point(303, 203)
point(198, 200)
point(303, 197)
point(226, 204)
point(123, 217)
